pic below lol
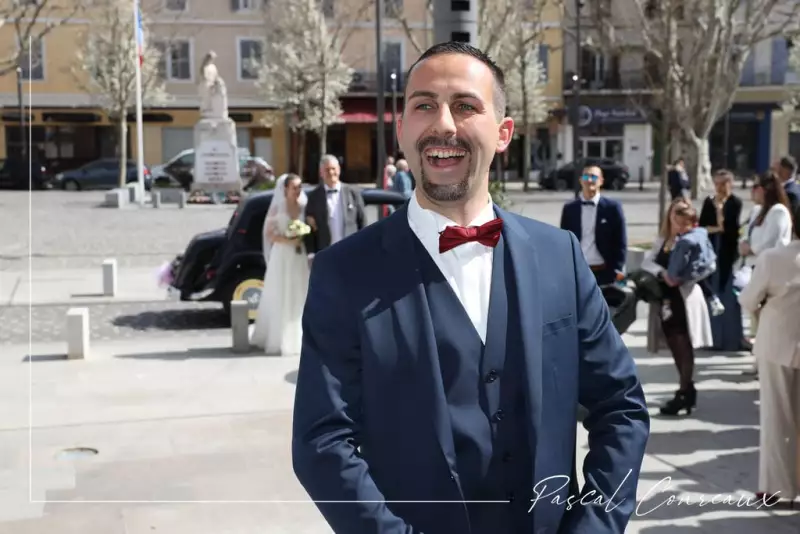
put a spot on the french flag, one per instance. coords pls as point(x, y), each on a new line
point(139, 33)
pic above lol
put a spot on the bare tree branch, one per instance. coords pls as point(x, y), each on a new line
point(701, 46)
point(105, 66)
point(31, 21)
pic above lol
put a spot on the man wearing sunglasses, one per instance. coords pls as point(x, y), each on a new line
point(599, 223)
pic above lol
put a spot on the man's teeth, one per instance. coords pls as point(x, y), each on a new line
point(446, 153)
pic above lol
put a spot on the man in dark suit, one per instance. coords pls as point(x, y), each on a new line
point(447, 347)
point(787, 172)
point(599, 224)
point(334, 210)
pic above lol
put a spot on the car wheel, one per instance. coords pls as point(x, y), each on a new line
point(71, 185)
point(561, 184)
point(245, 286)
point(617, 184)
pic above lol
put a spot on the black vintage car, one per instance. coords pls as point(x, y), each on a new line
point(228, 264)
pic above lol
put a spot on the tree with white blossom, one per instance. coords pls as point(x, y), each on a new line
point(699, 48)
point(302, 66)
point(105, 67)
point(30, 21)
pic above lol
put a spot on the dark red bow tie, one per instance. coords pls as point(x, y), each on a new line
point(486, 234)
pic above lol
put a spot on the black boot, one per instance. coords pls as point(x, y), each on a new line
point(684, 399)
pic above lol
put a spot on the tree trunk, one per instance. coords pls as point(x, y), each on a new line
point(526, 154)
point(123, 149)
point(301, 152)
point(702, 165)
point(323, 140)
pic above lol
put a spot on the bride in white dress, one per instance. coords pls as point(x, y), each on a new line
point(278, 328)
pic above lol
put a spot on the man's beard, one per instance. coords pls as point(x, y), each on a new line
point(445, 192)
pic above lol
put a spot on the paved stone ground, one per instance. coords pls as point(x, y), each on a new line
point(70, 229)
point(133, 320)
point(183, 420)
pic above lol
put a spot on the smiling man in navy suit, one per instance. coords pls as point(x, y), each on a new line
point(599, 224)
point(447, 347)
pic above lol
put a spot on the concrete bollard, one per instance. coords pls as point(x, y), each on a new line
point(240, 326)
point(182, 200)
point(77, 333)
point(157, 199)
point(110, 278)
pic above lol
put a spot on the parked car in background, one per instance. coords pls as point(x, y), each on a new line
point(180, 168)
point(228, 264)
point(615, 174)
point(100, 174)
point(20, 173)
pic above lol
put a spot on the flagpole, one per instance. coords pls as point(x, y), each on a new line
point(139, 126)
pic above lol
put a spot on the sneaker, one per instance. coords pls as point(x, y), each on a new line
point(716, 306)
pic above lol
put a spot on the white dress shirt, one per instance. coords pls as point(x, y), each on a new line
point(335, 220)
point(467, 267)
point(775, 231)
point(588, 225)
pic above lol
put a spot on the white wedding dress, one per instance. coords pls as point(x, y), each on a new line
point(278, 328)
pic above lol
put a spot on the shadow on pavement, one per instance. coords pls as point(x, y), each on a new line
point(210, 353)
point(692, 441)
point(731, 525)
point(175, 319)
point(36, 358)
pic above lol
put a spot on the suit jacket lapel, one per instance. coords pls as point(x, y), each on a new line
point(414, 326)
point(526, 276)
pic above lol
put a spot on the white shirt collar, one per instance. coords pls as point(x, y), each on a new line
point(430, 223)
point(595, 200)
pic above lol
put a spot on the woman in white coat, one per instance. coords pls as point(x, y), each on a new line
point(776, 284)
point(684, 312)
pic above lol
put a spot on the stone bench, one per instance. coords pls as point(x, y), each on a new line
point(169, 195)
point(117, 198)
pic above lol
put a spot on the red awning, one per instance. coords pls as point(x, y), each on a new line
point(365, 117)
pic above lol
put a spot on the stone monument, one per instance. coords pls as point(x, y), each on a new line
point(216, 161)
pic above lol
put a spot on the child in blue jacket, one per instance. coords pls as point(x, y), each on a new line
point(693, 259)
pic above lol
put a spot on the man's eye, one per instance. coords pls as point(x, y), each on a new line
point(423, 107)
point(465, 107)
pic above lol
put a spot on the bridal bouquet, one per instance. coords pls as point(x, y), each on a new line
point(296, 229)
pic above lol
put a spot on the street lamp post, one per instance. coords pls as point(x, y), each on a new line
point(380, 97)
point(576, 99)
point(22, 136)
point(394, 109)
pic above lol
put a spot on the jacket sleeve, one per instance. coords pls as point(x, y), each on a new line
point(618, 422)
point(755, 291)
point(310, 240)
point(358, 200)
point(326, 432)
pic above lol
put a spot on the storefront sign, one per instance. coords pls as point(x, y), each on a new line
point(587, 115)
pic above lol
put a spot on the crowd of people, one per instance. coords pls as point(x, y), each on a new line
point(707, 269)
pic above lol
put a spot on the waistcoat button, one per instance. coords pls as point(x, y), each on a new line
point(499, 415)
point(491, 376)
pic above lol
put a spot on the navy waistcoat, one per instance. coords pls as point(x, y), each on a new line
point(485, 391)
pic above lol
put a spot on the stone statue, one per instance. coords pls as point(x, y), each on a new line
point(213, 93)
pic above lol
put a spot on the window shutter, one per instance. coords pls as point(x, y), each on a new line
point(234, 5)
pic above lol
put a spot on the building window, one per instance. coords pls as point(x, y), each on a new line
point(460, 37)
point(544, 59)
point(244, 5)
point(459, 5)
point(251, 52)
point(176, 60)
point(175, 5)
point(392, 8)
point(32, 63)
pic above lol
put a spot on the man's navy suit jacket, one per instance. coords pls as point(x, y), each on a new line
point(610, 234)
point(371, 425)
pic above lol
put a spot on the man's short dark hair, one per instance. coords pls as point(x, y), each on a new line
point(789, 163)
point(455, 47)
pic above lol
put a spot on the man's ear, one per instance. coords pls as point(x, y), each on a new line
point(506, 131)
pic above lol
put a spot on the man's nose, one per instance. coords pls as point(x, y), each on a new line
point(445, 122)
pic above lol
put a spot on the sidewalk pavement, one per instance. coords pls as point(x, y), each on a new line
point(78, 286)
point(185, 422)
